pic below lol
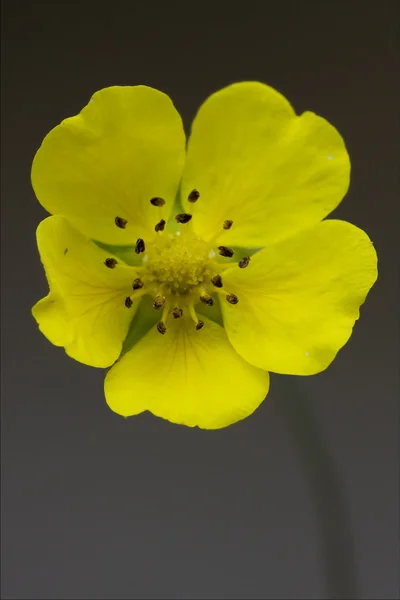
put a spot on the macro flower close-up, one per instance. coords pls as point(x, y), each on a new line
point(195, 267)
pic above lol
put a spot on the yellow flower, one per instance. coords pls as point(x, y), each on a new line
point(211, 266)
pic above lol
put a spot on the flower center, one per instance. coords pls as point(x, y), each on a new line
point(178, 265)
point(179, 270)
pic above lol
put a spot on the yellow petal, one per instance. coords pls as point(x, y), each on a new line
point(52, 319)
point(186, 376)
point(85, 311)
point(255, 162)
point(125, 147)
point(299, 299)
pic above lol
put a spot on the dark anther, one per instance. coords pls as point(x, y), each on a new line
point(160, 226)
point(159, 302)
point(161, 327)
point(243, 262)
point(183, 218)
point(232, 299)
point(194, 196)
point(111, 263)
point(206, 299)
point(224, 251)
point(128, 302)
point(199, 325)
point(217, 281)
point(157, 201)
point(120, 222)
point(227, 224)
point(139, 247)
point(177, 312)
point(137, 284)
point(66, 250)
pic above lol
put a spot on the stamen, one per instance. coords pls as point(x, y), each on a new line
point(160, 226)
point(243, 262)
point(120, 222)
point(227, 224)
point(177, 312)
point(217, 281)
point(232, 298)
point(128, 302)
point(139, 246)
point(111, 263)
point(159, 302)
point(224, 251)
point(157, 201)
point(199, 324)
point(206, 299)
point(183, 218)
point(194, 196)
point(137, 284)
point(161, 328)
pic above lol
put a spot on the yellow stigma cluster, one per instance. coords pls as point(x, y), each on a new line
point(178, 265)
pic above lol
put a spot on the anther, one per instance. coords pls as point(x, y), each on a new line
point(139, 246)
point(111, 263)
point(199, 325)
point(157, 201)
point(161, 327)
point(128, 302)
point(159, 302)
point(232, 298)
point(183, 218)
point(243, 262)
point(137, 284)
point(193, 196)
point(217, 281)
point(227, 224)
point(160, 226)
point(224, 251)
point(177, 312)
point(120, 222)
point(206, 299)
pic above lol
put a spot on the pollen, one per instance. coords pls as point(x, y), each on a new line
point(232, 298)
point(193, 196)
point(128, 302)
point(111, 263)
point(137, 284)
point(160, 226)
point(224, 251)
point(157, 201)
point(140, 246)
point(120, 222)
point(227, 224)
point(243, 262)
point(183, 218)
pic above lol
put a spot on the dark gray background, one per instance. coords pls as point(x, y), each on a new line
point(95, 506)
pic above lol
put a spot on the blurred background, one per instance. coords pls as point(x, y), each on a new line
point(301, 499)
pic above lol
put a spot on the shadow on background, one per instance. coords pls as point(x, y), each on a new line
point(325, 486)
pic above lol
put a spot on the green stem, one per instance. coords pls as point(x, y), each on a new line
point(326, 491)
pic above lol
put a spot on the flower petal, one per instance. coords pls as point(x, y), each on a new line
point(51, 316)
point(186, 376)
point(85, 311)
point(125, 147)
point(299, 299)
point(257, 163)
